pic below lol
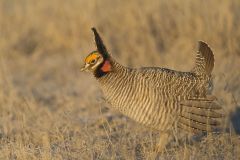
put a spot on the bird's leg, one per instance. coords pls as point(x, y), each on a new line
point(163, 141)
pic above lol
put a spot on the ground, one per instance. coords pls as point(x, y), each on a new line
point(51, 110)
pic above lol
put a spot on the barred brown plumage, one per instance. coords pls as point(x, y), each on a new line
point(159, 98)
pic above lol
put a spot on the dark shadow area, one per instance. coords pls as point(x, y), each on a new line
point(235, 119)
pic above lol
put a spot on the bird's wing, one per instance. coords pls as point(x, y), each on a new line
point(200, 114)
point(193, 114)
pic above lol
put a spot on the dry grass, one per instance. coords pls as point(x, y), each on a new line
point(49, 110)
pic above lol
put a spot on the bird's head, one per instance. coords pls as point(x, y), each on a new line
point(95, 61)
point(98, 61)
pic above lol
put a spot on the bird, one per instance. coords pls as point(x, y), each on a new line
point(159, 98)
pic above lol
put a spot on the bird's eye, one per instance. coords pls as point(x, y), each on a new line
point(93, 61)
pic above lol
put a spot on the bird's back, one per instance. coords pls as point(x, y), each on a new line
point(176, 84)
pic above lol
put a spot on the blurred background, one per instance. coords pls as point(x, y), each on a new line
point(50, 110)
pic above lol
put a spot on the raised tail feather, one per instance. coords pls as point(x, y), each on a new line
point(199, 115)
point(204, 59)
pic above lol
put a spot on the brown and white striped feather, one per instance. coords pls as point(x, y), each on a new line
point(158, 97)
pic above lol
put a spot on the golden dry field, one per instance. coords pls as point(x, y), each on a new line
point(49, 110)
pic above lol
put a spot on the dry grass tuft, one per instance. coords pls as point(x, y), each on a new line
point(49, 110)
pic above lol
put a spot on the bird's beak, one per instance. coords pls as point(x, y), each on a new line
point(85, 67)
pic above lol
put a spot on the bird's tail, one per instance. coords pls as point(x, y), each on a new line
point(204, 60)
